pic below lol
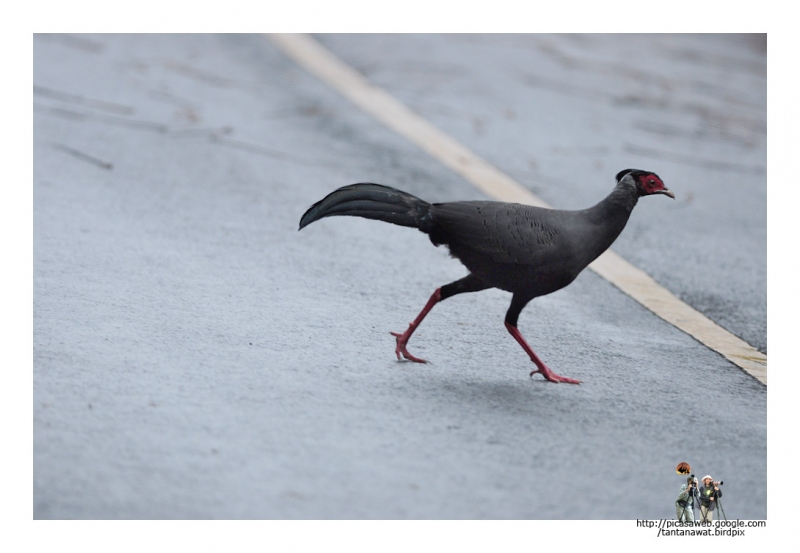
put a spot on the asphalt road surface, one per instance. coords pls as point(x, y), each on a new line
point(197, 357)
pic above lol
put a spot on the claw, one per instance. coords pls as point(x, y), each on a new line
point(553, 377)
point(402, 339)
point(400, 350)
point(541, 367)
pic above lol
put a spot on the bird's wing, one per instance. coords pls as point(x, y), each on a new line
point(503, 232)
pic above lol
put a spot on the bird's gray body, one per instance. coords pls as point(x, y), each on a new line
point(519, 248)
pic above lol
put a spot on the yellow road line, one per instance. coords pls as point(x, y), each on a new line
point(320, 62)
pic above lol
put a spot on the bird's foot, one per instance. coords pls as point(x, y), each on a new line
point(400, 350)
point(553, 377)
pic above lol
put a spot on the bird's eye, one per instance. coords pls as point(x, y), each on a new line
point(652, 181)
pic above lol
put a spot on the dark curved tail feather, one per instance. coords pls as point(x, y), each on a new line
point(372, 201)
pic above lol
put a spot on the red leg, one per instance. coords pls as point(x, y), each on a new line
point(542, 368)
point(402, 339)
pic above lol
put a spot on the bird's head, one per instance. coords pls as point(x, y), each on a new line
point(646, 183)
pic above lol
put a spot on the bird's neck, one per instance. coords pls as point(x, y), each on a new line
point(608, 218)
point(618, 204)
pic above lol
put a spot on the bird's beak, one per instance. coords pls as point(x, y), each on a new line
point(666, 192)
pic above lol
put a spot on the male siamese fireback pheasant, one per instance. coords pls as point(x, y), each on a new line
point(528, 251)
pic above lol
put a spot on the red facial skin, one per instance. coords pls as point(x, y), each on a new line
point(652, 184)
